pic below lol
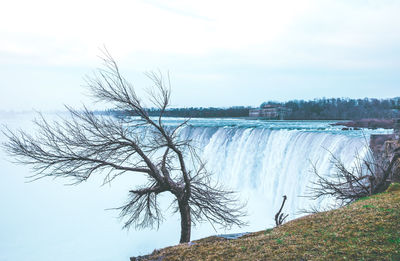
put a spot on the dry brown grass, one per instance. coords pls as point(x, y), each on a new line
point(368, 229)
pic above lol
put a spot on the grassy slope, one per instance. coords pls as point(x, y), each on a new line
point(368, 229)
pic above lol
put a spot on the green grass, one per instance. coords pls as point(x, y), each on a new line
point(368, 229)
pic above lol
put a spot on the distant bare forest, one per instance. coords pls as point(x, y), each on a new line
point(317, 109)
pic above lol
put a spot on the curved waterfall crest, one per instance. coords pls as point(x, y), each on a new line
point(269, 163)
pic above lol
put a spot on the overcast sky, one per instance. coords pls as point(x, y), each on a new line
point(218, 53)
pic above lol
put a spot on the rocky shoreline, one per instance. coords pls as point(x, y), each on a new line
point(367, 123)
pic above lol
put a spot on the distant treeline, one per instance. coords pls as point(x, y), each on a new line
point(341, 109)
point(199, 112)
point(318, 109)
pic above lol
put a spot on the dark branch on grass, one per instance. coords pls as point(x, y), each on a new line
point(280, 217)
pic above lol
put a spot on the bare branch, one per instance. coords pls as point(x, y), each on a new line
point(280, 217)
point(368, 176)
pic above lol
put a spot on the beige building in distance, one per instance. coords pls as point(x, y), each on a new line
point(269, 111)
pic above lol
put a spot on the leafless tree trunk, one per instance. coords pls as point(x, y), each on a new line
point(186, 223)
point(89, 144)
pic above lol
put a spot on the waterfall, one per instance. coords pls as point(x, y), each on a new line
point(264, 164)
point(262, 160)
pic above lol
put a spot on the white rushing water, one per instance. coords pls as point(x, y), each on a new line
point(267, 164)
point(46, 220)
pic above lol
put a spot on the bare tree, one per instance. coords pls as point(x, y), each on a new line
point(87, 144)
point(369, 175)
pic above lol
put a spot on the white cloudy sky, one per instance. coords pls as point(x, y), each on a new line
point(218, 53)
